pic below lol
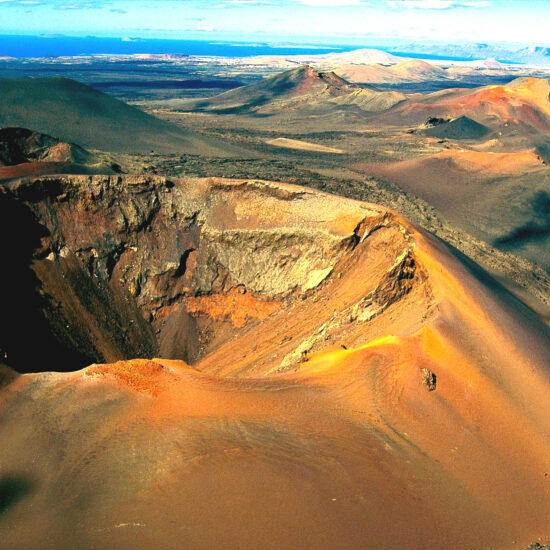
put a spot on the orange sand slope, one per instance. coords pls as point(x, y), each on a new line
point(461, 166)
point(454, 180)
point(401, 402)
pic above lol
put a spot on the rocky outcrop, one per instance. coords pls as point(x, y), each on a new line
point(429, 379)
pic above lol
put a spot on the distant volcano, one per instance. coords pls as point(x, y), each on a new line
point(301, 88)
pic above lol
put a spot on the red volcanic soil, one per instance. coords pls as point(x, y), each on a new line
point(371, 388)
point(139, 375)
point(41, 168)
point(236, 305)
point(522, 101)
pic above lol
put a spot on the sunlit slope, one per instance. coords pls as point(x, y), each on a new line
point(399, 399)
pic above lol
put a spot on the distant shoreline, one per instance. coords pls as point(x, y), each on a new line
point(21, 47)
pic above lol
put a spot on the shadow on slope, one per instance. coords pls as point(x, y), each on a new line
point(536, 229)
point(26, 333)
point(13, 488)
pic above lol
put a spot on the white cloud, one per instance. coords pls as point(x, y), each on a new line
point(437, 4)
point(229, 3)
point(252, 2)
point(333, 3)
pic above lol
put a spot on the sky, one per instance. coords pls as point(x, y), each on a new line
point(314, 21)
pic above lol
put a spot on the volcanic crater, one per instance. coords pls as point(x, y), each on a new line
point(121, 267)
point(248, 361)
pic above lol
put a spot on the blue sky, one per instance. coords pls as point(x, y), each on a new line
point(336, 21)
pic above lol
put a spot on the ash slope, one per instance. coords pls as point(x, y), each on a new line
point(356, 381)
point(77, 113)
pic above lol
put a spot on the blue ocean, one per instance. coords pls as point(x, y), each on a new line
point(58, 46)
point(41, 46)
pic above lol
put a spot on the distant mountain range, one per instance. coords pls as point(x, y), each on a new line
point(531, 55)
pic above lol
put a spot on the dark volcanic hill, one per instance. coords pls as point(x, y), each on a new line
point(24, 152)
point(20, 145)
point(302, 88)
point(77, 113)
point(460, 128)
